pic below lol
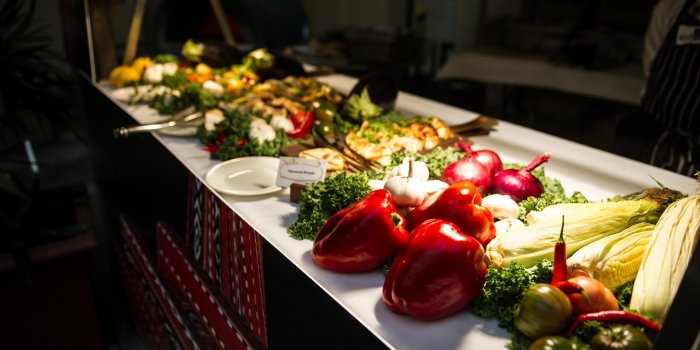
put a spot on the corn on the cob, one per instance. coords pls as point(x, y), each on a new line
point(666, 259)
point(615, 259)
point(585, 223)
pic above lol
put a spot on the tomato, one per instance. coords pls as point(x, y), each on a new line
point(600, 298)
point(577, 272)
point(544, 310)
point(621, 337)
point(556, 343)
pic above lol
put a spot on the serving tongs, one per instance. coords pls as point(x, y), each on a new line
point(356, 162)
point(185, 116)
point(481, 126)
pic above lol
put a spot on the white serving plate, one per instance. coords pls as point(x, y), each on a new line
point(246, 176)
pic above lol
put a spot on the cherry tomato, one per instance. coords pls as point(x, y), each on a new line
point(600, 298)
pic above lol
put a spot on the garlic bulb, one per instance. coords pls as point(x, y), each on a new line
point(406, 191)
point(420, 169)
point(501, 206)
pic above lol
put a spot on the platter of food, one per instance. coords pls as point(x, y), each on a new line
point(529, 230)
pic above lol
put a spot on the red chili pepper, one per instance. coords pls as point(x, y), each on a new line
point(303, 121)
point(437, 273)
point(559, 272)
point(615, 316)
point(568, 287)
point(362, 236)
point(459, 204)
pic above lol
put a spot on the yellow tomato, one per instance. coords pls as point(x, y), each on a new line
point(142, 63)
point(202, 69)
point(234, 86)
point(123, 75)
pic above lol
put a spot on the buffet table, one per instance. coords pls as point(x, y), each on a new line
point(598, 175)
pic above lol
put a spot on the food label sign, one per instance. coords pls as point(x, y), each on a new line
point(300, 170)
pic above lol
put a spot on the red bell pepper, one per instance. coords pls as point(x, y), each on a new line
point(303, 121)
point(460, 204)
point(437, 273)
point(362, 236)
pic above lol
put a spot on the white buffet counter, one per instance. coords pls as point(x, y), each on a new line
point(619, 84)
point(595, 173)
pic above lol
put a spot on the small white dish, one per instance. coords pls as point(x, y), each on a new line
point(247, 176)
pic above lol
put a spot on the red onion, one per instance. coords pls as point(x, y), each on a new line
point(468, 169)
point(520, 184)
point(487, 158)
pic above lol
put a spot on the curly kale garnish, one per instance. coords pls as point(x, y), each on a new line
point(505, 287)
point(322, 199)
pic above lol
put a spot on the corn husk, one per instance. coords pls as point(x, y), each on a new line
point(672, 244)
point(584, 224)
point(615, 259)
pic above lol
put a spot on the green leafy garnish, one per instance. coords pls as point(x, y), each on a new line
point(436, 160)
point(192, 50)
point(585, 332)
point(505, 287)
point(191, 95)
point(324, 198)
point(230, 139)
point(165, 58)
point(623, 294)
point(360, 107)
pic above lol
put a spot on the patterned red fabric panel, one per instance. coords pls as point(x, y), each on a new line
point(195, 221)
point(212, 237)
point(150, 303)
point(227, 329)
point(231, 256)
point(251, 297)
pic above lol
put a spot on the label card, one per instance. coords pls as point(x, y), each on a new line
point(300, 170)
